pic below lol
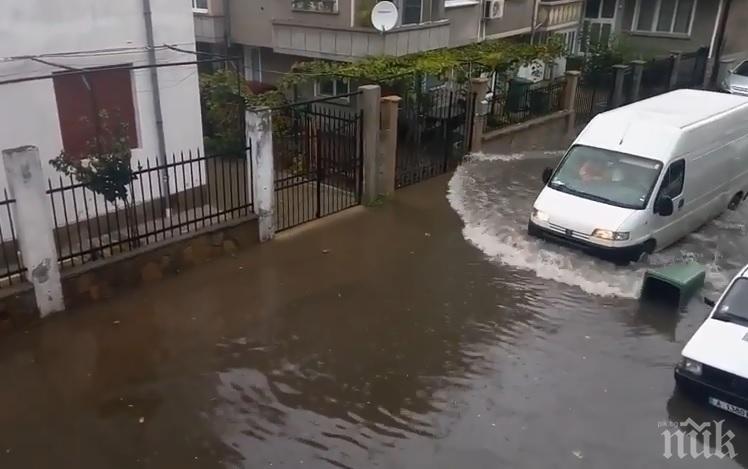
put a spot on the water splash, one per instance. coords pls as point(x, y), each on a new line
point(493, 195)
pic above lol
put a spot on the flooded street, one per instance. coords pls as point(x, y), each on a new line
point(430, 332)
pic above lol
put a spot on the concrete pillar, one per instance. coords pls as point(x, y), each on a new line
point(23, 170)
point(570, 98)
point(369, 104)
point(676, 57)
point(636, 83)
point(260, 142)
point(620, 75)
point(388, 145)
point(477, 107)
point(570, 92)
point(725, 65)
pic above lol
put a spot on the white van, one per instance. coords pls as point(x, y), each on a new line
point(642, 176)
point(714, 365)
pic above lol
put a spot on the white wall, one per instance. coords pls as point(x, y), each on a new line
point(28, 111)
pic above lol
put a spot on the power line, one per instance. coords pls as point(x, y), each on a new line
point(103, 69)
point(91, 52)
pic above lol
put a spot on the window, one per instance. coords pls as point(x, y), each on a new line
point(331, 87)
point(664, 16)
point(672, 182)
point(200, 5)
point(600, 9)
point(92, 105)
point(317, 6)
point(411, 11)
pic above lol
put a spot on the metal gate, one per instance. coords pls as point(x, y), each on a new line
point(594, 95)
point(433, 133)
point(317, 157)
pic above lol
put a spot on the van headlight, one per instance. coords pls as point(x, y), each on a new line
point(540, 215)
point(611, 235)
point(691, 366)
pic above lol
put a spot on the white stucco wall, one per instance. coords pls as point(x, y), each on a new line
point(28, 111)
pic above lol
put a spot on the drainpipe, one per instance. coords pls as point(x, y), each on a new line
point(533, 21)
point(481, 33)
point(718, 41)
point(227, 27)
point(148, 15)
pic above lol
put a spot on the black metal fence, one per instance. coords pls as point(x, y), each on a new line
point(185, 193)
point(692, 68)
point(317, 157)
point(12, 270)
point(656, 77)
point(594, 95)
point(433, 131)
point(512, 104)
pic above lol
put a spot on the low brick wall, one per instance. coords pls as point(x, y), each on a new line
point(551, 132)
point(112, 276)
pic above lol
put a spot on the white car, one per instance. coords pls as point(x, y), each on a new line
point(714, 367)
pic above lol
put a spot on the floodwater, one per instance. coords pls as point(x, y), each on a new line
point(426, 333)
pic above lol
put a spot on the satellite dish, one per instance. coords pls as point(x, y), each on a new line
point(384, 16)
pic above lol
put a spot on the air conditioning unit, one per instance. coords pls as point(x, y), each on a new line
point(494, 9)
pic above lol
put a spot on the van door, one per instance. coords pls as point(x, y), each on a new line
point(668, 229)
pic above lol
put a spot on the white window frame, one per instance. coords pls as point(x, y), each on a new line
point(656, 19)
point(335, 9)
point(460, 3)
point(335, 90)
point(198, 9)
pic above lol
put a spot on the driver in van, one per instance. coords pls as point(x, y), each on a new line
point(593, 170)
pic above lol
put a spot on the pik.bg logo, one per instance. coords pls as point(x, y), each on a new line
point(690, 439)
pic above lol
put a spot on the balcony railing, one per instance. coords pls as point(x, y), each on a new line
point(559, 14)
point(316, 6)
point(347, 43)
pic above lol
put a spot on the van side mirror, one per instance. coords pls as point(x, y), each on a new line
point(664, 206)
point(547, 173)
point(709, 302)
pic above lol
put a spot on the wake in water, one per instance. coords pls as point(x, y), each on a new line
point(493, 194)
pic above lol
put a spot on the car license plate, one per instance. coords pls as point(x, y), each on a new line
point(728, 407)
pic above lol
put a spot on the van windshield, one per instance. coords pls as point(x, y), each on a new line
point(734, 306)
point(606, 176)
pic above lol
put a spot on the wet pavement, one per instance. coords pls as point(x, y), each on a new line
point(426, 333)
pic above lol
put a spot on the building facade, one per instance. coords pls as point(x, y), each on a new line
point(653, 27)
point(272, 35)
point(82, 60)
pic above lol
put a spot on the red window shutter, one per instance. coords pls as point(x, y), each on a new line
point(113, 94)
point(76, 111)
point(81, 98)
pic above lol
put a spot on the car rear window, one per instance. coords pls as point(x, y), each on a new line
point(742, 69)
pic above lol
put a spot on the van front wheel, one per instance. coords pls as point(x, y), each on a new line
point(735, 202)
point(647, 249)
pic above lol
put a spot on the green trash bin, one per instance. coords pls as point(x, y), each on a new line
point(674, 284)
point(516, 99)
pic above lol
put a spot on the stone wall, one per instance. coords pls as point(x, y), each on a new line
point(108, 277)
point(551, 132)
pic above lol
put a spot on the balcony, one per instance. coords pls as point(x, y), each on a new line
point(559, 14)
point(209, 21)
point(350, 43)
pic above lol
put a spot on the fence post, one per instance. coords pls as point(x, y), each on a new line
point(477, 112)
point(388, 145)
point(369, 105)
point(676, 57)
point(620, 73)
point(636, 82)
point(23, 170)
point(570, 97)
point(725, 65)
point(260, 165)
